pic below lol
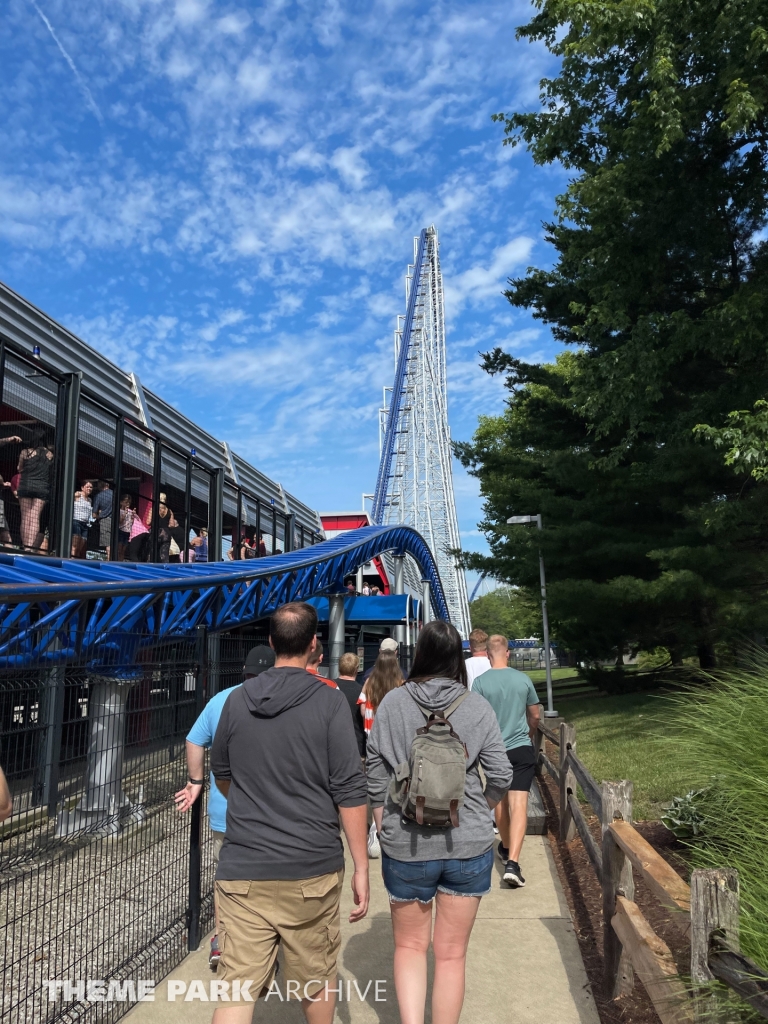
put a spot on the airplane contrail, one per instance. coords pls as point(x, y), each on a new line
point(91, 102)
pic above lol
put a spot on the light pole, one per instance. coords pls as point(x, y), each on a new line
point(519, 521)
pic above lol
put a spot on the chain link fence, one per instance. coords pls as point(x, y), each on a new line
point(95, 879)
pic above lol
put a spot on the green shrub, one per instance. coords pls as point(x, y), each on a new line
point(648, 661)
point(720, 743)
point(684, 817)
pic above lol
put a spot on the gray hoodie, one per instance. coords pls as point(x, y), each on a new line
point(389, 744)
point(287, 744)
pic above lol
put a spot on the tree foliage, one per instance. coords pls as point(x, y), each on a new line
point(507, 611)
point(660, 290)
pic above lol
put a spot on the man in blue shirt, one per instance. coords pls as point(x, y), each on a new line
point(199, 738)
point(512, 696)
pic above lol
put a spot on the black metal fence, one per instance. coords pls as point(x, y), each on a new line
point(102, 881)
point(95, 879)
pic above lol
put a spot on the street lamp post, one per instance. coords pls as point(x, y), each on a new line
point(519, 521)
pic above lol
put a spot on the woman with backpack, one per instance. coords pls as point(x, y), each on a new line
point(427, 741)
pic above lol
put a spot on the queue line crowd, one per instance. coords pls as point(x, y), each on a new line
point(412, 770)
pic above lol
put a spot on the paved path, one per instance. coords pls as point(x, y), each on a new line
point(523, 967)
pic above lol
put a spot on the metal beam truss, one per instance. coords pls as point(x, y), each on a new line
point(415, 479)
point(54, 610)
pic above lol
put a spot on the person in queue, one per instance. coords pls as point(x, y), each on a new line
point(386, 675)
point(285, 740)
point(349, 666)
point(450, 868)
point(387, 644)
point(82, 511)
point(200, 738)
point(125, 522)
point(515, 702)
point(102, 513)
point(35, 471)
point(477, 662)
point(315, 661)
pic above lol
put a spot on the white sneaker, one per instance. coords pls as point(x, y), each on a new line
point(374, 847)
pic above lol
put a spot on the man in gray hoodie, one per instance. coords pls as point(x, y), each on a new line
point(286, 757)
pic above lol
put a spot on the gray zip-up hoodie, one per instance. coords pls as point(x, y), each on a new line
point(286, 742)
point(389, 744)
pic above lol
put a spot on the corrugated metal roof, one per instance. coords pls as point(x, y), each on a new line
point(26, 326)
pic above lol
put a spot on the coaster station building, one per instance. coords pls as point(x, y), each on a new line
point(86, 419)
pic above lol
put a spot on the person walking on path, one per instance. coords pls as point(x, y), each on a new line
point(387, 644)
point(453, 865)
point(199, 738)
point(314, 663)
point(286, 758)
point(477, 662)
point(513, 698)
point(349, 665)
point(386, 675)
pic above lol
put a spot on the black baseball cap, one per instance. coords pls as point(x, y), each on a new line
point(258, 660)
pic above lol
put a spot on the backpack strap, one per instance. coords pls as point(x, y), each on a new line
point(452, 707)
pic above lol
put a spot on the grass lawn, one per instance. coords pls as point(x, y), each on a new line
point(539, 675)
point(616, 738)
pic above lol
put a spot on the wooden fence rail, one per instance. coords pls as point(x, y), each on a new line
point(706, 912)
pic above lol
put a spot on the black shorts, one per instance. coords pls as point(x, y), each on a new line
point(523, 763)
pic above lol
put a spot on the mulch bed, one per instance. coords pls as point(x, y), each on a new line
point(584, 896)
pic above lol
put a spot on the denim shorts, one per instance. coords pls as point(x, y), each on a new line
point(408, 880)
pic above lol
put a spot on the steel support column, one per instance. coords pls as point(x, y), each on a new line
point(335, 633)
point(117, 486)
point(69, 410)
point(215, 515)
point(399, 588)
point(426, 603)
point(290, 525)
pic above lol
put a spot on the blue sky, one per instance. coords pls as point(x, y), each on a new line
point(223, 198)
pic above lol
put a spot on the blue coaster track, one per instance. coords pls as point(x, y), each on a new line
point(397, 402)
point(54, 609)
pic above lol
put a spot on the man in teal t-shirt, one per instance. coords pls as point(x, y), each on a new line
point(512, 696)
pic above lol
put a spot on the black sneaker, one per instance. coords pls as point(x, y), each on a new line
point(513, 876)
point(503, 852)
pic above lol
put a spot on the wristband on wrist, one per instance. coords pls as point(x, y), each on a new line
point(196, 782)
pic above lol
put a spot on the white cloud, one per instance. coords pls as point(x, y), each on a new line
point(482, 281)
point(226, 319)
point(253, 76)
point(271, 164)
point(350, 165)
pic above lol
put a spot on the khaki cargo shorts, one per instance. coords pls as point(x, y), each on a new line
point(301, 915)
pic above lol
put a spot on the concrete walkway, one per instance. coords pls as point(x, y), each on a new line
point(524, 964)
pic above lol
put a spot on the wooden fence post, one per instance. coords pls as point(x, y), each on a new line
point(714, 909)
point(567, 781)
point(617, 881)
point(538, 740)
